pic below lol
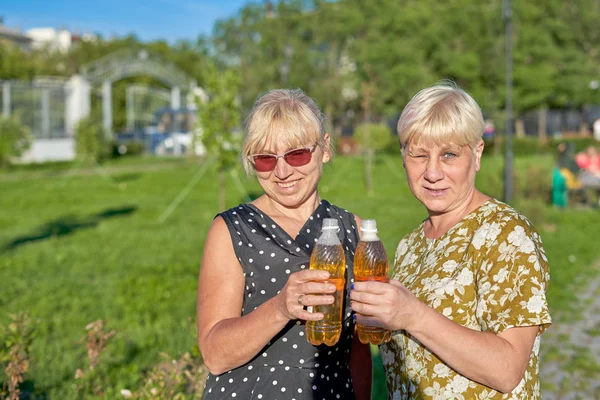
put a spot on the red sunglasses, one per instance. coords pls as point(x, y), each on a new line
point(294, 157)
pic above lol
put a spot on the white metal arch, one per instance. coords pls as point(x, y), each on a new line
point(125, 63)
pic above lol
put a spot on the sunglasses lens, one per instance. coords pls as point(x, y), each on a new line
point(298, 158)
point(264, 163)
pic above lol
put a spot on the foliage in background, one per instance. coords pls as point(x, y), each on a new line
point(380, 136)
point(15, 138)
point(330, 49)
point(528, 146)
point(15, 350)
point(189, 55)
point(91, 146)
point(397, 48)
point(372, 138)
point(219, 118)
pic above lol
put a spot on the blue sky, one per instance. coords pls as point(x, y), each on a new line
point(148, 19)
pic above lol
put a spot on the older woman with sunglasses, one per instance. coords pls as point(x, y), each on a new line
point(255, 283)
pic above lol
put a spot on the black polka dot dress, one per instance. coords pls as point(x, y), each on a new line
point(289, 367)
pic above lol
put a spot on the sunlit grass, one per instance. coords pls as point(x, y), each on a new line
point(79, 246)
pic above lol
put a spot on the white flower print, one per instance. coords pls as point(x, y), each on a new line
point(387, 357)
point(459, 384)
point(446, 285)
point(465, 277)
point(536, 345)
point(478, 281)
point(535, 303)
point(441, 370)
point(501, 276)
point(479, 238)
point(486, 233)
point(520, 239)
point(435, 392)
point(402, 248)
point(410, 258)
point(449, 266)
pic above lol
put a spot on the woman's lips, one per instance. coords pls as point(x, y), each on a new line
point(435, 192)
point(287, 185)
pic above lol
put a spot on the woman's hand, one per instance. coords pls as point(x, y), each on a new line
point(304, 288)
point(387, 305)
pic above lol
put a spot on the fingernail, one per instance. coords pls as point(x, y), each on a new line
point(352, 286)
point(353, 316)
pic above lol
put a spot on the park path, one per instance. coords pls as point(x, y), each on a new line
point(570, 351)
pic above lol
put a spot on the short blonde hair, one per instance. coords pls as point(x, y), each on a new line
point(443, 113)
point(287, 114)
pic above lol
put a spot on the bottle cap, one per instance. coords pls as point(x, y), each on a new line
point(368, 225)
point(330, 223)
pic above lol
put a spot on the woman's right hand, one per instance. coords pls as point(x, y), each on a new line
point(386, 305)
point(304, 289)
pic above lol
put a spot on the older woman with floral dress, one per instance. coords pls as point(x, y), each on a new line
point(467, 302)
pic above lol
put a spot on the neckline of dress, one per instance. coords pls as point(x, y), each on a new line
point(432, 241)
point(263, 214)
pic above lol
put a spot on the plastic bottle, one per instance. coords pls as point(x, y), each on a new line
point(371, 264)
point(328, 255)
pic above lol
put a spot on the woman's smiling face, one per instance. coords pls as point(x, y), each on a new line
point(441, 176)
point(292, 186)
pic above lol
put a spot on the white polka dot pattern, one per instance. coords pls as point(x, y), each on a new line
point(287, 367)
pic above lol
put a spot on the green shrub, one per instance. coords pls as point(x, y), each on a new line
point(91, 145)
point(15, 348)
point(14, 140)
point(380, 136)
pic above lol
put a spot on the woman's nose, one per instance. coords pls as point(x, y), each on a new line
point(282, 169)
point(433, 171)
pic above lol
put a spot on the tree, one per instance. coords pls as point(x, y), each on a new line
point(372, 137)
point(270, 47)
point(91, 145)
point(14, 140)
point(218, 118)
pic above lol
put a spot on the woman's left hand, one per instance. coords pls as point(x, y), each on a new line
point(388, 305)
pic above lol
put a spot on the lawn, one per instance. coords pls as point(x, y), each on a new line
point(111, 244)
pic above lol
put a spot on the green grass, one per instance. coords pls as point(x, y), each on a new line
point(77, 246)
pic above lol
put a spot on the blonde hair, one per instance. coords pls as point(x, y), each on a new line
point(443, 113)
point(286, 114)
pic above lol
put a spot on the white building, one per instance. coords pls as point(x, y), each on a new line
point(53, 39)
point(14, 37)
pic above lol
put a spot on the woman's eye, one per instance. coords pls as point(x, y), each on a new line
point(449, 155)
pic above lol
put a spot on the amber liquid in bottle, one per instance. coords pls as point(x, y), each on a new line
point(371, 264)
point(328, 255)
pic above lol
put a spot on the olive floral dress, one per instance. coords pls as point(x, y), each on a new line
point(288, 367)
point(488, 273)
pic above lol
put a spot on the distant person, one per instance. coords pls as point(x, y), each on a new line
point(589, 160)
point(596, 128)
point(489, 130)
point(255, 283)
point(467, 302)
point(568, 166)
point(589, 163)
point(571, 172)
